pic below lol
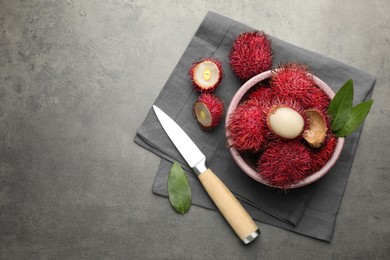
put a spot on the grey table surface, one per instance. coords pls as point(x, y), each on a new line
point(77, 78)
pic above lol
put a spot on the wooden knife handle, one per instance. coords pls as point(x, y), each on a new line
point(230, 207)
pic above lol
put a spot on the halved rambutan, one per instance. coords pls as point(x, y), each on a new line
point(208, 110)
point(206, 74)
point(247, 128)
point(318, 127)
point(285, 118)
point(321, 155)
point(294, 80)
point(251, 54)
point(284, 163)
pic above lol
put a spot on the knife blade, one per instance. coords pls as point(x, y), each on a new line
point(234, 213)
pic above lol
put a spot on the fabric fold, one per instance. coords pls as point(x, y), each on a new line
point(310, 210)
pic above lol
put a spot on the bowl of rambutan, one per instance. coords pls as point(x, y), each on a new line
point(278, 129)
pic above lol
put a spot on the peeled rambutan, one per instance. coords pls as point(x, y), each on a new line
point(251, 54)
point(284, 163)
point(206, 74)
point(208, 110)
point(285, 118)
point(247, 128)
point(321, 155)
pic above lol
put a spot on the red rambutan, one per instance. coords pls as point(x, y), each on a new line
point(251, 54)
point(284, 163)
point(263, 94)
point(247, 128)
point(321, 155)
point(208, 110)
point(295, 81)
point(206, 74)
point(315, 98)
point(292, 78)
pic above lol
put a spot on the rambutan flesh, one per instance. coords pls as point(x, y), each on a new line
point(285, 163)
point(285, 118)
point(208, 110)
point(295, 81)
point(321, 155)
point(318, 127)
point(251, 54)
point(247, 128)
point(206, 74)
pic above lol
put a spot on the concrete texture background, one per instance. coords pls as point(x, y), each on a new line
point(77, 79)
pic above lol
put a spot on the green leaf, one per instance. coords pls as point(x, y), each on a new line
point(179, 190)
point(341, 106)
point(358, 115)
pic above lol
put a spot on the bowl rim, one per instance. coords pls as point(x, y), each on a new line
point(249, 170)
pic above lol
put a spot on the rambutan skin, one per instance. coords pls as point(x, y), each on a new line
point(195, 83)
point(251, 54)
point(284, 163)
point(294, 80)
point(247, 128)
point(216, 108)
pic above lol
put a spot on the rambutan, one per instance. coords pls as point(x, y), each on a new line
point(284, 163)
point(285, 118)
point(294, 80)
point(315, 98)
point(206, 74)
point(264, 94)
point(247, 128)
point(321, 155)
point(251, 54)
point(208, 110)
point(318, 126)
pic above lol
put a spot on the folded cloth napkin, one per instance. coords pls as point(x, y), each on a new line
point(309, 210)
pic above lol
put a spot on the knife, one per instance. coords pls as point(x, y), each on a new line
point(228, 205)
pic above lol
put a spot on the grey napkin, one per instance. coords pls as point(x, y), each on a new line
point(310, 210)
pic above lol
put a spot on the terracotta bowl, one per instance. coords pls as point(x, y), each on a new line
point(247, 165)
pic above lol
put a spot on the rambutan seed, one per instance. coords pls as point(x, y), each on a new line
point(208, 110)
point(284, 163)
point(251, 54)
point(206, 74)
